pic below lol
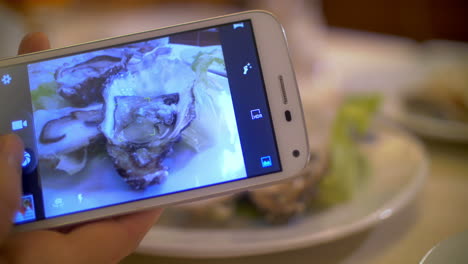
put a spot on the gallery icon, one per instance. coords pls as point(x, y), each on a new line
point(19, 124)
point(26, 211)
point(256, 114)
point(266, 161)
point(6, 79)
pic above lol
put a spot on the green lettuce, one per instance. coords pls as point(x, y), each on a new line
point(202, 133)
point(348, 166)
point(46, 97)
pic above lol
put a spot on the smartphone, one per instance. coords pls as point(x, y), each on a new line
point(153, 119)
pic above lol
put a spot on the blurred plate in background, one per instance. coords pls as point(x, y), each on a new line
point(394, 181)
point(428, 126)
point(435, 104)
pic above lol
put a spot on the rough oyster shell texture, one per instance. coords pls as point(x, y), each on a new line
point(134, 98)
point(143, 121)
point(83, 82)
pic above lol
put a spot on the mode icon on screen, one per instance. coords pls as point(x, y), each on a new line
point(266, 161)
point(256, 114)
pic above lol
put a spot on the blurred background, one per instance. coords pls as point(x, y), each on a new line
point(416, 19)
point(412, 53)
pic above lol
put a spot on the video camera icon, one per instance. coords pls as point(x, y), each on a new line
point(19, 124)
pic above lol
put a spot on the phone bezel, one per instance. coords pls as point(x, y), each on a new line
point(275, 62)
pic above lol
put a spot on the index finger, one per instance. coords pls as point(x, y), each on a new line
point(34, 42)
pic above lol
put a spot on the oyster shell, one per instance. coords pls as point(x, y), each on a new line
point(82, 84)
point(143, 122)
point(281, 202)
point(60, 143)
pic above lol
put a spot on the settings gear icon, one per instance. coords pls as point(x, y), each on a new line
point(6, 79)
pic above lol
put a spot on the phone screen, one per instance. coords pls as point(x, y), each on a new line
point(139, 120)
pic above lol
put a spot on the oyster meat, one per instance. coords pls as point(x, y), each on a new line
point(143, 122)
point(64, 135)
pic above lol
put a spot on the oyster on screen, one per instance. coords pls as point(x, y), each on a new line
point(143, 120)
point(61, 146)
point(82, 84)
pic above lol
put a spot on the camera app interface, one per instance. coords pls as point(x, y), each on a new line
point(145, 119)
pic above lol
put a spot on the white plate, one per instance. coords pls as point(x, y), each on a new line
point(438, 57)
point(428, 126)
point(451, 250)
point(399, 167)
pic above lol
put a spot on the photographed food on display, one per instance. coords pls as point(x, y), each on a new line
point(134, 121)
point(142, 124)
point(139, 121)
point(336, 170)
point(61, 146)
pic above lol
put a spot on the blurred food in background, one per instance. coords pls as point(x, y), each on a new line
point(336, 171)
point(435, 104)
point(443, 93)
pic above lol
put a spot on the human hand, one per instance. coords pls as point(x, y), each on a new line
point(103, 241)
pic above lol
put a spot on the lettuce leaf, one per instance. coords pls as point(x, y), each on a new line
point(348, 166)
point(204, 132)
point(46, 97)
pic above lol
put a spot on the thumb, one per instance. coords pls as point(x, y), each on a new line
point(11, 156)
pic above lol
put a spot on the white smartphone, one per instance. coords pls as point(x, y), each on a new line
point(153, 119)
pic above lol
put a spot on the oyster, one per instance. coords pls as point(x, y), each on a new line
point(82, 84)
point(61, 146)
point(143, 122)
point(280, 202)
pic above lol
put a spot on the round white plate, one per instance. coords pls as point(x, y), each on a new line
point(451, 250)
point(399, 166)
point(428, 126)
point(438, 57)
